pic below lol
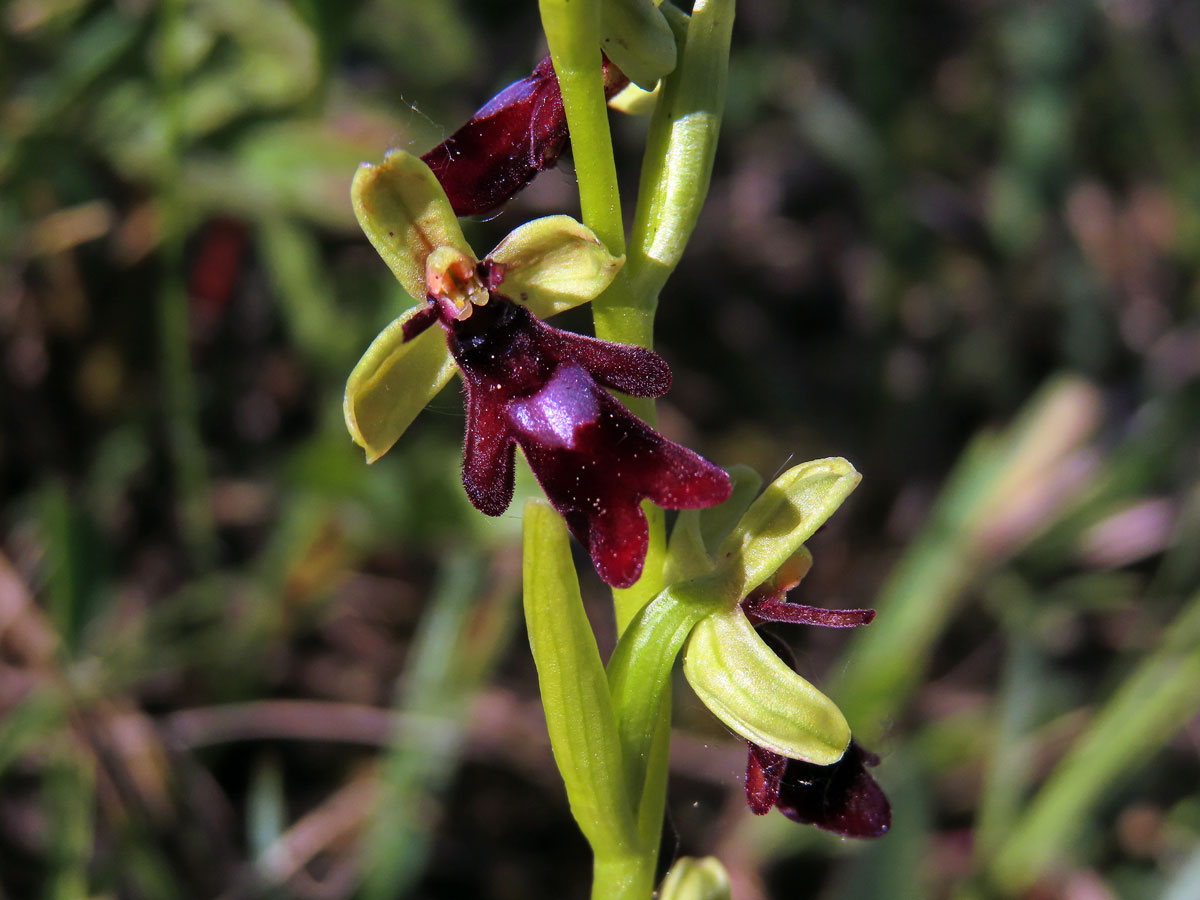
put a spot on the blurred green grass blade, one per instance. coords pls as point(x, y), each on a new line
point(68, 795)
point(1157, 699)
point(456, 645)
point(93, 50)
point(24, 726)
point(73, 561)
point(1009, 765)
point(574, 688)
point(305, 295)
point(1003, 490)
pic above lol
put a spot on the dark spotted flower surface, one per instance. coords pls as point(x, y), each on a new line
point(540, 388)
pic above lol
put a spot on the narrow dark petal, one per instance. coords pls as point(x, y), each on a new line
point(761, 609)
point(420, 321)
point(764, 774)
point(517, 134)
point(683, 479)
point(617, 541)
point(488, 452)
point(842, 798)
point(622, 367)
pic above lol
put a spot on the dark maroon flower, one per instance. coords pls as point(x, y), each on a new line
point(842, 798)
point(532, 385)
point(517, 134)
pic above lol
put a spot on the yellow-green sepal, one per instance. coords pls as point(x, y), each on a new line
point(406, 216)
point(745, 685)
point(635, 35)
point(553, 264)
point(394, 380)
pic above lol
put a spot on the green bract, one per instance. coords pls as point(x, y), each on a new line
point(549, 265)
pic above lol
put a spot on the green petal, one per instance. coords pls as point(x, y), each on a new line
point(393, 382)
point(635, 35)
point(746, 686)
point(405, 215)
point(553, 264)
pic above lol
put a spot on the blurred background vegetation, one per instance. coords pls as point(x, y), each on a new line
point(956, 242)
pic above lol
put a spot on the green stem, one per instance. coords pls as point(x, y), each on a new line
point(624, 877)
point(572, 31)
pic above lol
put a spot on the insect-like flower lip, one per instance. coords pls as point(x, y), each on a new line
point(843, 797)
point(533, 386)
point(554, 415)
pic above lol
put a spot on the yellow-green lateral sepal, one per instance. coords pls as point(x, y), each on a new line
point(775, 526)
point(553, 264)
point(574, 687)
point(393, 382)
point(635, 35)
point(696, 879)
point(405, 214)
point(746, 686)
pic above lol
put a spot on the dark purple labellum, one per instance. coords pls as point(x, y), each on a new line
point(842, 798)
point(541, 388)
point(517, 134)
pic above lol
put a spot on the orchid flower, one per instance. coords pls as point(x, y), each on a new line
point(527, 384)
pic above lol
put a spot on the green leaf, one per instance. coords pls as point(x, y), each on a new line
point(405, 215)
point(574, 688)
point(696, 879)
point(394, 381)
point(553, 264)
point(635, 35)
point(746, 686)
point(775, 526)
